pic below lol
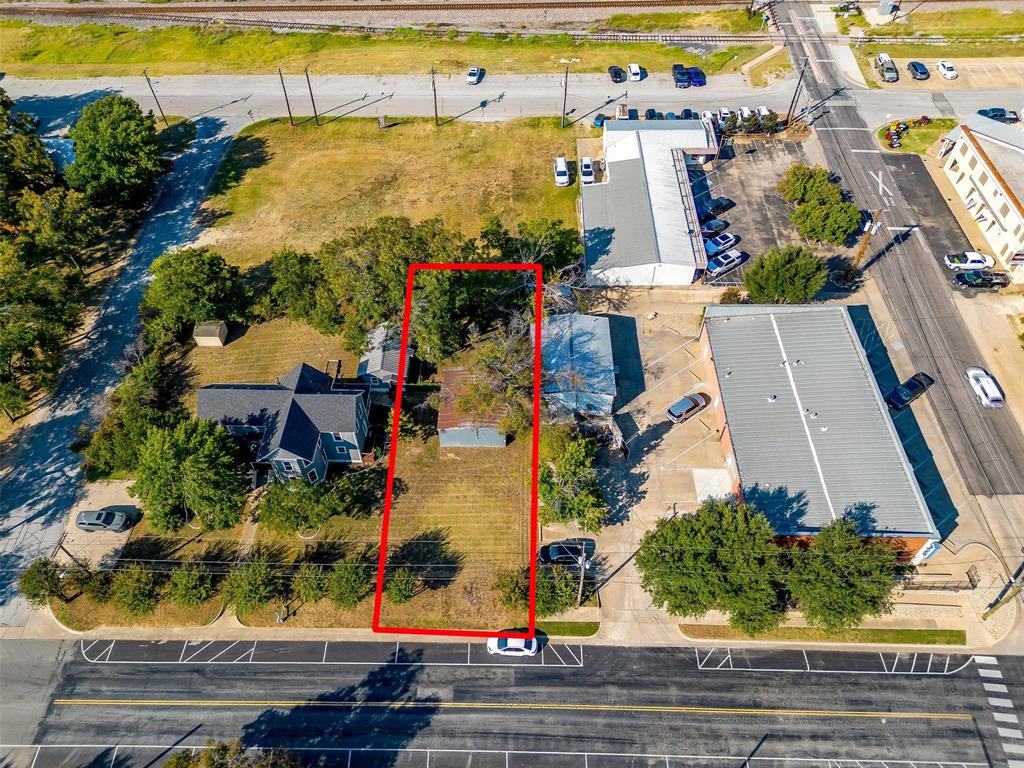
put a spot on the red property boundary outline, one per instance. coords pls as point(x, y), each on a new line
point(537, 270)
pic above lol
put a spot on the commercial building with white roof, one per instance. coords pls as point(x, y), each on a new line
point(803, 425)
point(984, 159)
point(640, 225)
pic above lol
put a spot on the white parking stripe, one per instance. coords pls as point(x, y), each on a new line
point(1010, 733)
point(992, 673)
point(1015, 749)
point(1000, 703)
point(985, 660)
point(995, 688)
point(1015, 764)
point(1005, 717)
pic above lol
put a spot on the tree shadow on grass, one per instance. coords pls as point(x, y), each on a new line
point(244, 154)
point(431, 557)
point(378, 716)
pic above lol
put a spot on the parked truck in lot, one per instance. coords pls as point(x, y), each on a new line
point(886, 68)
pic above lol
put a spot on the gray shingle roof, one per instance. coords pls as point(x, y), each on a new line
point(292, 413)
point(383, 354)
point(812, 438)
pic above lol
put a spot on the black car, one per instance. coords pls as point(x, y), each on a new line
point(1000, 114)
point(715, 206)
point(907, 392)
point(918, 71)
point(617, 74)
point(681, 76)
point(567, 552)
point(980, 280)
point(714, 227)
point(689, 114)
point(633, 114)
point(650, 114)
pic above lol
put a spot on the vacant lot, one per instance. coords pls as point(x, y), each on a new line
point(93, 50)
point(962, 22)
point(460, 514)
point(300, 186)
point(776, 66)
point(263, 353)
point(732, 21)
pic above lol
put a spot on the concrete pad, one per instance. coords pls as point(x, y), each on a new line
point(99, 547)
point(847, 63)
point(712, 482)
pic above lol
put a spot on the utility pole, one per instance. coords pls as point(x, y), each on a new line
point(583, 571)
point(796, 93)
point(865, 241)
point(287, 104)
point(433, 87)
point(153, 91)
point(565, 93)
point(316, 117)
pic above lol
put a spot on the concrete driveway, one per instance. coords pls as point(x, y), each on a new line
point(98, 547)
point(42, 478)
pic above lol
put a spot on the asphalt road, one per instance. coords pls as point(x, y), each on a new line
point(388, 704)
point(917, 228)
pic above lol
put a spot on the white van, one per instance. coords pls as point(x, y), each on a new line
point(634, 72)
point(745, 113)
point(561, 169)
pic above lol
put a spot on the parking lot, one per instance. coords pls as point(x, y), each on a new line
point(971, 74)
point(748, 176)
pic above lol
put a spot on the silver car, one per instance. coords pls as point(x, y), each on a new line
point(688, 407)
point(985, 387)
point(116, 519)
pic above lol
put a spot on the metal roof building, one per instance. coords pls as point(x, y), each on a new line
point(380, 362)
point(578, 372)
point(641, 225)
point(805, 426)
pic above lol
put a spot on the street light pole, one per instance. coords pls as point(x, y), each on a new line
point(153, 91)
point(796, 93)
point(565, 93)
point(433, 87)
point(316, 117)
point(287, 104)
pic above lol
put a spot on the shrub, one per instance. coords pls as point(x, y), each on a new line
point(293, 506)
point(309, 583)
point(135, 590)
point(98, 586)
point(350, 583)
point(809, 184)
point(191, 584)
point(400, 585)
point(731, 295)
point(251, 586)
point(41, 582)
point(788, 275)
point(827, 222)
point(557, 589)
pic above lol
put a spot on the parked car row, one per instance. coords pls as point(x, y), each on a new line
point(682, 75)
point(887, 71)
point(563, 178)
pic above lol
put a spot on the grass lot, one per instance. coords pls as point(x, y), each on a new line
point(93, 50)
point(918, 140)
point(733, 22)
point(300, 186)
point(809, 634)
point(82, 614)
point(774, 67)
point(265, 352)
point(963, 22)
point(568, 628)
point(466, 512)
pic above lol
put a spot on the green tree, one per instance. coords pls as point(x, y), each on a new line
point(827, 222)
point(117, 158)
point(58, 224)
point(809, 184)
point(41, 582)
point(400, 584)
point(841, 578)
point(191, 584)
point(350, 583)
point(722, 557)
point(557, 589)
point(299, 291)
point(568, 487)
point(252, 585)
point(24, 162)
point(135, 590)
point(791, 274)
point(192, 467)
point(535, 241)
point(232, 754)
point(191, 285)
point(309, 583)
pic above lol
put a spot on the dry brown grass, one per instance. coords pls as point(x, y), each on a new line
point(83, 614)
point(479, 500)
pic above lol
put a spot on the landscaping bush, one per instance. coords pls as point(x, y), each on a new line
point(251, 585)
point(568, 487)
point(731, 295)
point(400, 585)
point(135, 590)
point(232, 754)
point(41, 582)
point(191, 584)
point(98, 585)
point(809, 184)
point(350, 583)
point(293, 506)
point(309, 583)
point(557, 589)
point(788, 275)
point(827, 223)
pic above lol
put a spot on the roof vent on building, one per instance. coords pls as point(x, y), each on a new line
point(772, 398)
point(797, 362)
point(782, 364)
point(824, 429)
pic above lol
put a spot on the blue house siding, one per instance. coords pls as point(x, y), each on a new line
point(472, 437)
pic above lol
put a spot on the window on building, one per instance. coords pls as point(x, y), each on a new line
point(983, 179)
point(963, 149)
point(972, 163)
point(1004, 210)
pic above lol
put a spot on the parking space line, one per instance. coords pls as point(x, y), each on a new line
point(682, 453)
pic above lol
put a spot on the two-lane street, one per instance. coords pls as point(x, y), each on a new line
point(390, 703)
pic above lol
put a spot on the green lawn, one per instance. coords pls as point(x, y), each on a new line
point(918, 140)
point(809, 634)
point(568, 628)
point(300, 186)
point(963, 22)
point(774, 67)
point(731, 22)
point(93, 50)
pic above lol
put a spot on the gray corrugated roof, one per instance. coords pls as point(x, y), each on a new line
point(577, 354)
point(619, 225)
point(292, 414)
point(826, 445)
point(383, 354)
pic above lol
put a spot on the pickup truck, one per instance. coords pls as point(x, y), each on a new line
point(1000, 114)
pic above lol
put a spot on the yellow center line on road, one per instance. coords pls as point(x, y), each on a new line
point(624, 708)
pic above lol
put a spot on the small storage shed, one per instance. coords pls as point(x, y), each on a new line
point(382, 359)
point(457, 429)
point(213, 333)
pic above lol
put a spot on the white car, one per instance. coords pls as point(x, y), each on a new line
point(707, 114)
point(474, 76)
point(512, 646)
point(946, 69)
point(723, 262)
point(719, 243)
point(561, 169)
point(959, 262)
point(985, 387)
point(634, 72)
point(746, 113)
point(723, 116)
point(586, 171)
point(763, 112)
